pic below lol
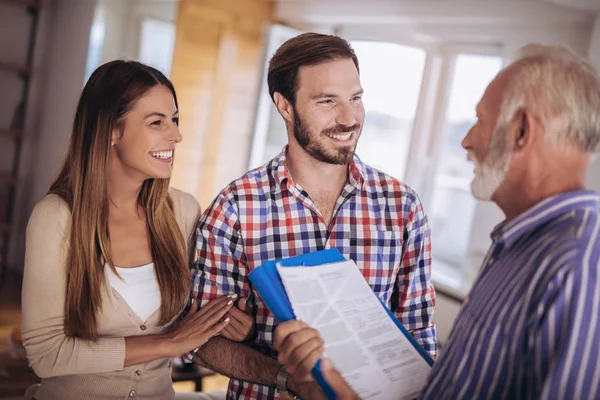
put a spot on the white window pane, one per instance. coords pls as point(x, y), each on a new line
point(453, 206)
point(391, 76)
point(97, 33)
point(156, 44)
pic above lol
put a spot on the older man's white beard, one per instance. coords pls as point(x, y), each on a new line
point(488, 177)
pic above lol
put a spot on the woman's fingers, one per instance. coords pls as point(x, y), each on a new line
point(234, 324)
point(216, 306)
point(215, 329)
point(214, 315)
point(239, 315)
point(218, 302)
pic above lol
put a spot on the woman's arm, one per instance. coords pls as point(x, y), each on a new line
point(49, 350)
point(193, 331)
point(241, 327)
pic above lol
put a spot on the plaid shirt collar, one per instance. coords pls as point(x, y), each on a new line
point(281, 173)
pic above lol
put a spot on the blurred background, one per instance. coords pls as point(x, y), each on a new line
point(424, 66)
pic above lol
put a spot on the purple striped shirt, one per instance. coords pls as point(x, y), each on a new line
point(530, 327)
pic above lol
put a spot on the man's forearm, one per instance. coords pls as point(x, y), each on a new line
point(238, 361)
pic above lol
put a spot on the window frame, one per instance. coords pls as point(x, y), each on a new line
point(431, 147)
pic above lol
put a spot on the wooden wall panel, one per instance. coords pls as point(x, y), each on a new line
point(217, 67)
point(240, 113)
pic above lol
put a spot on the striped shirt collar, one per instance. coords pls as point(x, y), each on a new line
point(281, 173)
point(507, 233)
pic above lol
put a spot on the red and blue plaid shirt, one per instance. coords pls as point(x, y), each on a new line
point(378, 222)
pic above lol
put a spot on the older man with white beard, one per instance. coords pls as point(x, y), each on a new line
point(530, 327)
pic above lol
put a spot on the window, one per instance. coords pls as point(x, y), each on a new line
point(452, 204)
point(96, 41)
point(157, 40)
point(391, 75)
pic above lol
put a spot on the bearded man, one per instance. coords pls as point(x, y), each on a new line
point(316, 194)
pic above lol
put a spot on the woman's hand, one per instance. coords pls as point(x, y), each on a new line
point(241, 324)
point(198, 326)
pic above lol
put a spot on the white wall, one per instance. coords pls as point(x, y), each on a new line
point(59, 73)
point(123, 24)
point(115, 14)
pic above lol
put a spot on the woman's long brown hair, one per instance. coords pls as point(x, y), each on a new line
point(108, 95)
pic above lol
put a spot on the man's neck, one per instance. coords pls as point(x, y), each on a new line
point(313, 174)
point(528, 195)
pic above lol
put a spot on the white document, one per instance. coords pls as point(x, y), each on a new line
point(361, 339)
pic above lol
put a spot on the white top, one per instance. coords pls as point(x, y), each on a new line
point(138, 287)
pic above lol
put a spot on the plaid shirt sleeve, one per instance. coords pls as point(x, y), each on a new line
point(220, 268)
point(416, 295)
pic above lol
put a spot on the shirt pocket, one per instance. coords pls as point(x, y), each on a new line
point(378, 254)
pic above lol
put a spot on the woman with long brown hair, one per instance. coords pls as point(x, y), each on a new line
point(109, 249)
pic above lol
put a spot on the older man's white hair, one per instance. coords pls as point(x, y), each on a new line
point(562, 89)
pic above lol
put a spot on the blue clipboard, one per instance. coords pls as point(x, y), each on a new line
point(266, 280)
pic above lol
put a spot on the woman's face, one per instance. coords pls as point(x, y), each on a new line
point(144, 147)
